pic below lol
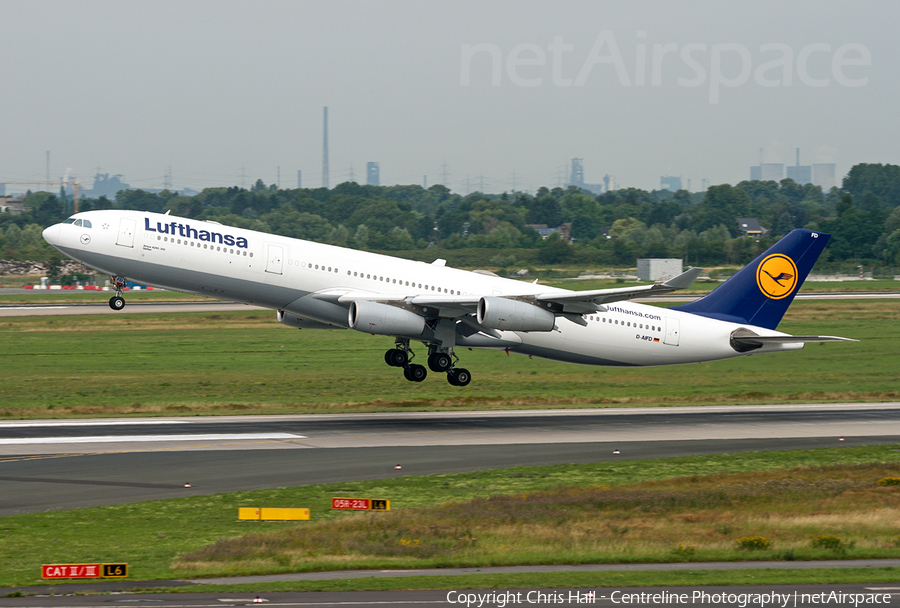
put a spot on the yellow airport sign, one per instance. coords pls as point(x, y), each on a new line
point(272, 514)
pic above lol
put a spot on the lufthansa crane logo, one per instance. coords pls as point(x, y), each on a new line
point(776, 276)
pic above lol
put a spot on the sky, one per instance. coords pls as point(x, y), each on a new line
point(504, 94)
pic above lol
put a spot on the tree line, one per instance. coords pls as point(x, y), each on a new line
point(611, 229)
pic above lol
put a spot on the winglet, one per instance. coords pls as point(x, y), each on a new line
point(684, 280)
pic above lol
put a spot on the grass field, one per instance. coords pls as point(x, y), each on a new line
point(245, 362)
point(795, 514)
point(623, 511)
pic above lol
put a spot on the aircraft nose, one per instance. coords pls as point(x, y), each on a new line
point(51, 234)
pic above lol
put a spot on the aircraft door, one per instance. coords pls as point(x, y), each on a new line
point(672, 331)
point(275, 258)
point(126, 232)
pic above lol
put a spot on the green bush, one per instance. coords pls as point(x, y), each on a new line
point(830, 542)
point(682, 550)
point(753, 543)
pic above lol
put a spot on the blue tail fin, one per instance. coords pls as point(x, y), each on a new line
point(760, 293)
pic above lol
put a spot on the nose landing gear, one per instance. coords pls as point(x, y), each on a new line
point(117, 302)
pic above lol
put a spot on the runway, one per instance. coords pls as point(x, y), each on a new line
point(51, 465)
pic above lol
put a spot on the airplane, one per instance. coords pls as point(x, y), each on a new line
point(313, 285)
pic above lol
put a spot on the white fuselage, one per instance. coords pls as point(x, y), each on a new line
point(286, 274)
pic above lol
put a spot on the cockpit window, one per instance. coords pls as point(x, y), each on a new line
point(78, 222)
point(87, 224)
point(71, 220)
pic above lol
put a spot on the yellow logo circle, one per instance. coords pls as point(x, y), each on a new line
point(776, 276)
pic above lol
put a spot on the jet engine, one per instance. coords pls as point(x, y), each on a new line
point(513, 315)
point(376, 318)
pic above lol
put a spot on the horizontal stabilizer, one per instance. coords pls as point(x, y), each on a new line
point(744, 340)
point(790, 339)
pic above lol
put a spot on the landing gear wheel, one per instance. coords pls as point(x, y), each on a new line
point(396, 357)
point(415, 372)
point(117, 302)
point(439, 362)
point(459, 376)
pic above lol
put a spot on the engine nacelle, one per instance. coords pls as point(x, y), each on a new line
point(383, 319)
point(513, 315)
point(292, 320)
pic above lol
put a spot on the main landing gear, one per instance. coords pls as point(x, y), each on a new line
point(117, 302)
point(438, 362)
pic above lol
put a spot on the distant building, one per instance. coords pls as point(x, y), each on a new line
point(2, 189)
point(565, 230)
point(373, 174)
point(767, 172)
point(609, 183)
point(577, 176)
point(670, 183)
point(12, 205)
point(299, 178)
point(107, 186)
point(659, 269)
point(749, 226)
point(823, 176)
point(800, 174)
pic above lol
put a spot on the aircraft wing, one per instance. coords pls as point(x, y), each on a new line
point(569, 304)
point(592, 301)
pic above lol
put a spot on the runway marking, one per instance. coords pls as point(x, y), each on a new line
point(146, 438)
point(89, 482)
point(15, 425)
point(31, 307)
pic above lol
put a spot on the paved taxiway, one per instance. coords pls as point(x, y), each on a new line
point(47, 465)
